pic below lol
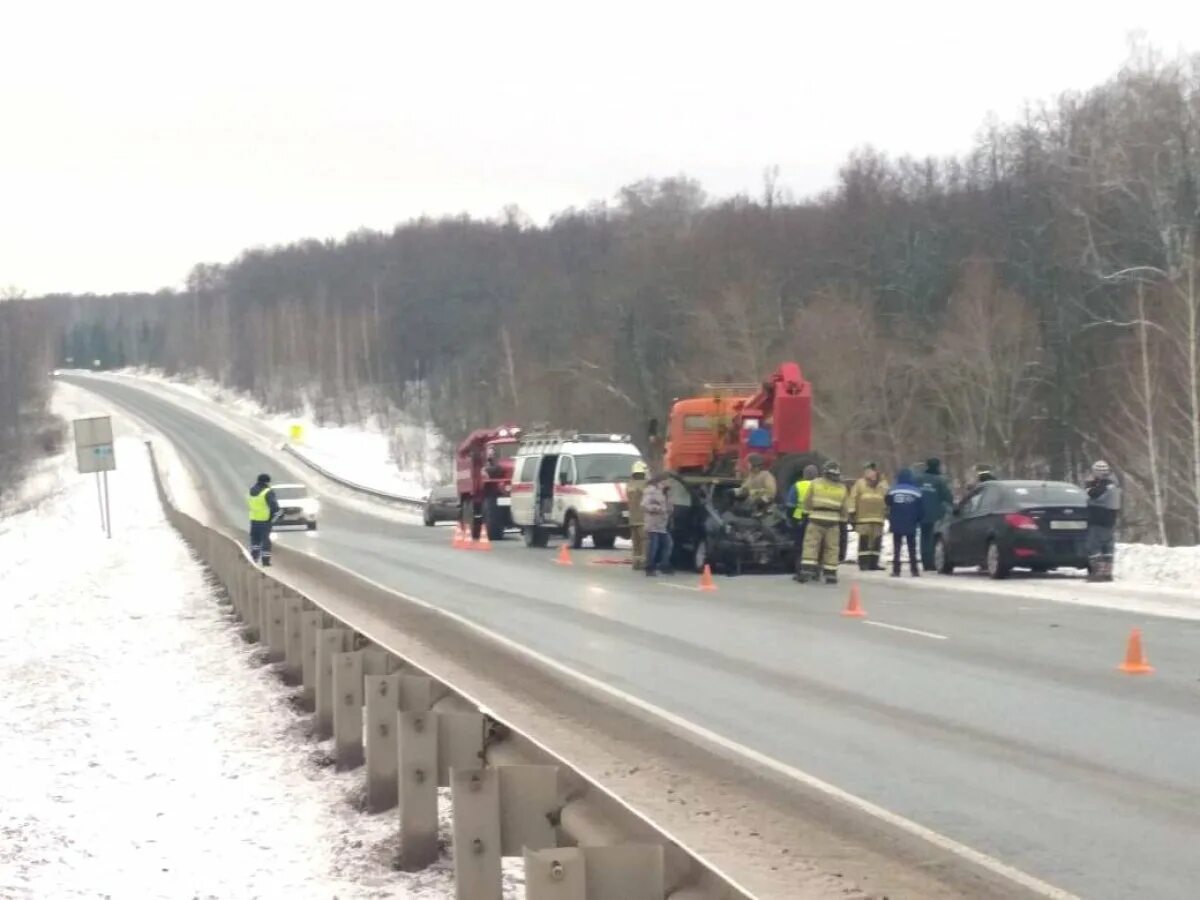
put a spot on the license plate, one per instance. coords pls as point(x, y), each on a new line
point(504, 501)
point(1068, 526)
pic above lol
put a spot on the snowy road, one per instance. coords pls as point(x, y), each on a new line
point(998, 720)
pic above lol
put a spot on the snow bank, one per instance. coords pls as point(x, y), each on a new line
point(402, 459)
point(150, 753)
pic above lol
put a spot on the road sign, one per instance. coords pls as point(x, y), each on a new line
point(94, 444)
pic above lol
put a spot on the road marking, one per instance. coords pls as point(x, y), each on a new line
point(678, 587)
point(928, 634)
point(970, 854)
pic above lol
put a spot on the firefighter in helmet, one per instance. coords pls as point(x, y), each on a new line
point(826, 508)
point(637, 523)
point(759, 487)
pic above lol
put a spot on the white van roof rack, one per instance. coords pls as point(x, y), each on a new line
point(545, 439)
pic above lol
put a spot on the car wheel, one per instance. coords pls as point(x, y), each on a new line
point(941, 559)
point(700, 555)
point(312, 526)
point(534, 536)
point(995, 564)
point(573, 532)
point(604, 541)
point(430, 521)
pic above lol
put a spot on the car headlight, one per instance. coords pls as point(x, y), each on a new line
point(314, 507)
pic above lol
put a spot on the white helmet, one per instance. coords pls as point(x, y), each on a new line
point(1101, 469)
point(639, 468)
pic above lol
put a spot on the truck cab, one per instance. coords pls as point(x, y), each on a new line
point(574, 485)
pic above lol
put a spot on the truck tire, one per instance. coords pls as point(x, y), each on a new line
point(573, 532)
point(495, 518)
point(605, 541)
point(534, 537)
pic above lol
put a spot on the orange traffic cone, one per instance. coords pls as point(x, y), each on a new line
point(564, 555)
point(706, 580)
point(854, 608)
point(1135, 660)
point(485, 542)
point(460, 537)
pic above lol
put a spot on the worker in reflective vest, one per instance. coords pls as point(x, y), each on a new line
point(264, 509)
point(796, 499)
point(826, 507)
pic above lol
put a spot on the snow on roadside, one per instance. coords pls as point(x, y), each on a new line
point(364, 454)
point(153, 754)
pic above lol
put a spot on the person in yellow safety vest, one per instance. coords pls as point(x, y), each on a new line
point(797, 495)
point(826, 508)
point(264, 509)
point(634, 492)
point(867, 510)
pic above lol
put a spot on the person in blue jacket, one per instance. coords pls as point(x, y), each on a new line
point(905, 514)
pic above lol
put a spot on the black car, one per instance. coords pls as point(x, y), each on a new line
point(1002, 525)
point(442, 505)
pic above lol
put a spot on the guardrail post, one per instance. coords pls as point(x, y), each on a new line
point(293, 654)
point(382, 693)
point(273, 622)
point(557, 874)
point(329, 642)
point(348, 709)
point(310, 623)
point(475, 794)
point(417, 754)
point(377, 661)
point(624, 872)
point(460, 743)
point(254, 604)
point(416, 693)
point(528, 807)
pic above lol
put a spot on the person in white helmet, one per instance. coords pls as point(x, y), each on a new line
point(1104, 506)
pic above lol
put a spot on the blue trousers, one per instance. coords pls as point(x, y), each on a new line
point(260, 542)
point(658, 551)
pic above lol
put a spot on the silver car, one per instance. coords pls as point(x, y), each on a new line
point(296, 507)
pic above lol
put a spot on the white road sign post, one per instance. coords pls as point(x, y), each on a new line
point(94, 453)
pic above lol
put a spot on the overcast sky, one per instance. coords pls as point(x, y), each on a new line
point(142, 137)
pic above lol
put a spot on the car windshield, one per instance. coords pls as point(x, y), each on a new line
point(603, 467)
point(291, 492)
point(1050, 494)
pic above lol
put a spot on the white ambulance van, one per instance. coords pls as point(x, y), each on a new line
point(574, 485)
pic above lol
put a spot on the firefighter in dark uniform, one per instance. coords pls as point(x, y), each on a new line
point(264, 509)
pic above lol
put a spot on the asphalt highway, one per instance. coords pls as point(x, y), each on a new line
point(999, 721)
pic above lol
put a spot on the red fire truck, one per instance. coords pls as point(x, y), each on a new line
point(483, 473)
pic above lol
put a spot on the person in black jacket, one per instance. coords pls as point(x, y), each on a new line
point(1104, 506)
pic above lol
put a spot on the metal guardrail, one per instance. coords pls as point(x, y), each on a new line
point(414, 502)
point(413, 734)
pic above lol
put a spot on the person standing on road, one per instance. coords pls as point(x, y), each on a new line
point(905, 504)
point(935, 499)
point(637, 525)
point(656, 517)
point(796, 498)
point(264, 509)
point(866, 511)
point(1104, 506)
point(826, 508)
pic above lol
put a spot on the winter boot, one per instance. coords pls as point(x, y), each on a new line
point(831, 577)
